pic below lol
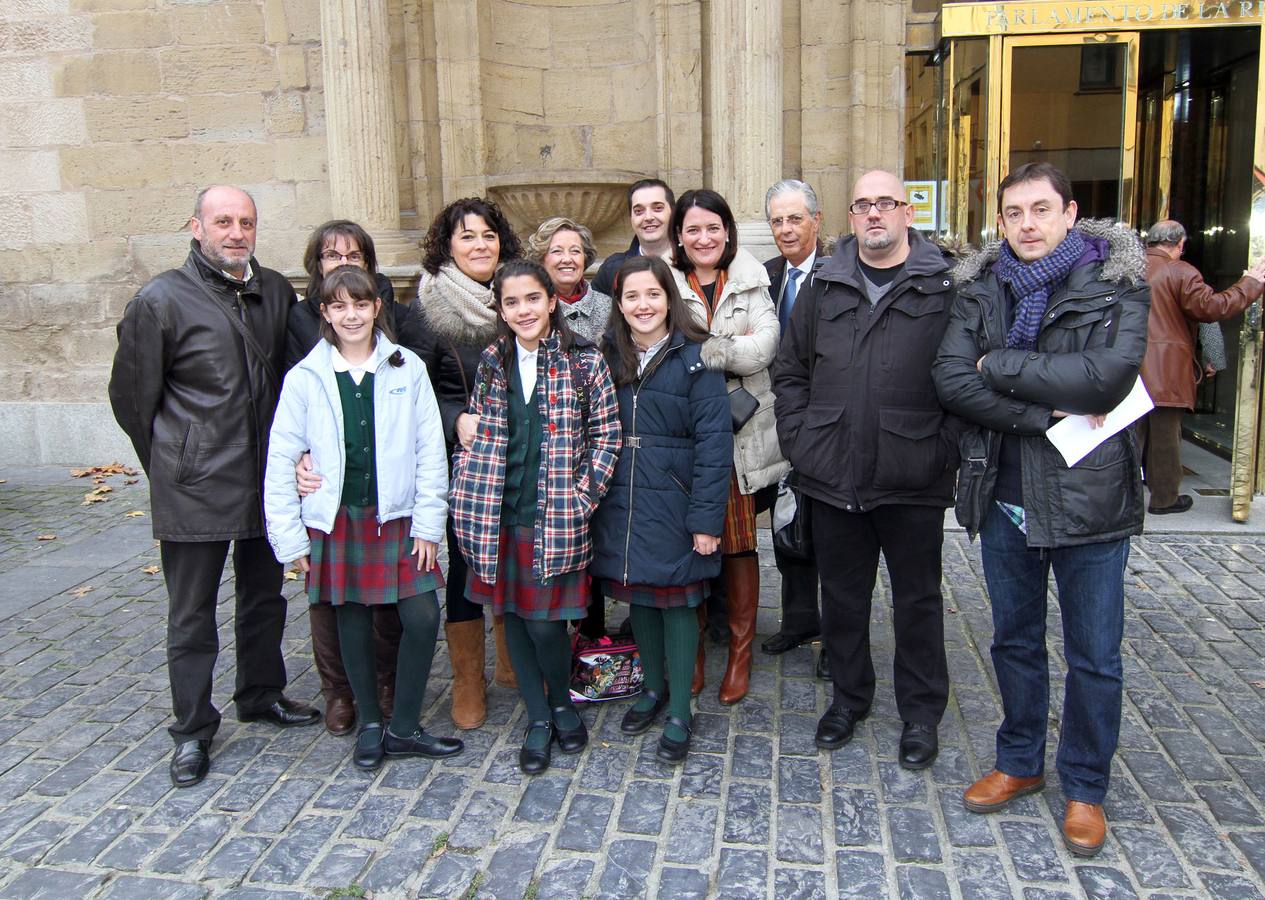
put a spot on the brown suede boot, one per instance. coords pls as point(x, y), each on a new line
point(504, 672)
point(699, 659)
point(469, 688)
point(742, 593)
point(340, 710)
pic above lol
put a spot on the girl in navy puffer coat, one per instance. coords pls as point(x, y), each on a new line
point(656, 533)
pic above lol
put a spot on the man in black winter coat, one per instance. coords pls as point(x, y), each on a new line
point(1049, 322)
point(859, 421)
point(195, 385)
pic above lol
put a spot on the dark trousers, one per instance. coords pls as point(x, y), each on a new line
point(193, 572)
point(1160, 432)
point(799, 594)
point(910, 539)
point(457, 607)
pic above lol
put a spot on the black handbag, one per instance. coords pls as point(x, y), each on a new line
point(795, 539)
point(742, 406)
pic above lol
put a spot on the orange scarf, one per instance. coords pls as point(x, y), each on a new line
point(716, 292)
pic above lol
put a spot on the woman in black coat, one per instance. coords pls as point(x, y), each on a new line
point(656, 534)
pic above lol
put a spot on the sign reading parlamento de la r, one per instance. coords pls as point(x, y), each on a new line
point(1046, 16)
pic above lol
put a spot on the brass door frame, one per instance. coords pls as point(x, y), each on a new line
point(1129, 118)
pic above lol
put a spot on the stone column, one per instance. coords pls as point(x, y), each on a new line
point(745, 111)
point(360, 124)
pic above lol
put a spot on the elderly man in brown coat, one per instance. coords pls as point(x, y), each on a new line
point(1180, 299)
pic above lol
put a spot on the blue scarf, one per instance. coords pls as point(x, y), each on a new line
point(1032, 283)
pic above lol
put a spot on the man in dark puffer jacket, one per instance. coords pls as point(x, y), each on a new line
point(1050, 322)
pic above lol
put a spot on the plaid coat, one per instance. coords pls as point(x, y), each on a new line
point(577, 459)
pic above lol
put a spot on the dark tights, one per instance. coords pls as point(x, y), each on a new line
point(419, 617)
point(541, 655)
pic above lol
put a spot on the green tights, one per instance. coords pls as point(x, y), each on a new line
point(541, 655)
point(667, 636)
point(419, 617)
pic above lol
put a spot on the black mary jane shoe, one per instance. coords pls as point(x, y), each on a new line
point(635, 722)
point(190, 762)
point(570, 740)
point(368, 753)
point(670, 750)
point(531, 761)
point(419, 743)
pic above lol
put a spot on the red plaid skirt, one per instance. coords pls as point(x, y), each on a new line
point(354, 564)
point(690, 595)
point(739, 533)
point(517, 590)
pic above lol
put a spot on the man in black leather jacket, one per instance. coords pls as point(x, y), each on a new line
point(195, 385)
point(1048, 323)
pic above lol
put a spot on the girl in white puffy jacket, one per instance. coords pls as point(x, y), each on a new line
point(364, 408)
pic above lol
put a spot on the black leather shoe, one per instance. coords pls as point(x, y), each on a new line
point(419, 743)
point(674, 751)
point(636, 722)
point(284, 713)
point(786, 640)
point(368, 752)
point(570, 740)
point(190, 763)
point(919, 746)
point(823, 665)
point(1183, 503)
point(836, 727)
point(533, 762)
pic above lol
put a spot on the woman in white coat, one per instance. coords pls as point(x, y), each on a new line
point(727, 289)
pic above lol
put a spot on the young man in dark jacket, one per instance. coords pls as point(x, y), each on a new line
point(195, 385)
point(1048, 323)
point(858, 419)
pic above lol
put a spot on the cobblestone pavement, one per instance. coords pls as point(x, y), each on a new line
point(756, 811)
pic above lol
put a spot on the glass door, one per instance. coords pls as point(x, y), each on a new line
point(1071, 100)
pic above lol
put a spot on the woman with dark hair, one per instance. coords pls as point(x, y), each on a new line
point(339, 242)
point(727, 290)
point(524, 483)
point(657, 531)
point(335, 244)
point(449, 324)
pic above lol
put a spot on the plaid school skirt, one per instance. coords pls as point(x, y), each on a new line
point(354, 564)
point(671, 597)
point(517, 591)
point(739, 533)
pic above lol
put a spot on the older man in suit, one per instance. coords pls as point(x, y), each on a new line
point(795, 219)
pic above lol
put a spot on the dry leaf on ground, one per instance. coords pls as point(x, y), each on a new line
point(46, 537)
point(80, 591)
point(114, 468)
point(151, 570)
point(133, 514)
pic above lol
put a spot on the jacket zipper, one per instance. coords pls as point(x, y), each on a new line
point(634, 442)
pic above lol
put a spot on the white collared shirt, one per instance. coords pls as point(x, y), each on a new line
point(645, 356)
point(527, 367)
point(806, 267)
point(245, 275)
point(357, 372)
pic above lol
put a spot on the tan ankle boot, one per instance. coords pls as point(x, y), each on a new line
point(742, 594)
point(469, 688)
point(504, 672)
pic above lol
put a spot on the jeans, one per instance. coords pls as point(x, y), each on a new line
point(1090, 580)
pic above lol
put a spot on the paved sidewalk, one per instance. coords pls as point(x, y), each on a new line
point(86, 808)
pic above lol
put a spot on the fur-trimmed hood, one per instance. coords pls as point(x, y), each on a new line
point(453, 314)
point(1126, 257)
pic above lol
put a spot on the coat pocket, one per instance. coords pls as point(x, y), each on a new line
point(186, 462)
point(1098, 495)
point(819, 443)
point(909, 453)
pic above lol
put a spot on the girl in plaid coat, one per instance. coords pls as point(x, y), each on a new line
point(366, 411)
point(524, 487)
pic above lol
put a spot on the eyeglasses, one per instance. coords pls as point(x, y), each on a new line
point(355, 257)
point(882, 204)
point(794, 221)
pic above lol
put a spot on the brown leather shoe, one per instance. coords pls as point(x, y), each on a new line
point(340, 715)
point(996, 789)
point(1084, 828)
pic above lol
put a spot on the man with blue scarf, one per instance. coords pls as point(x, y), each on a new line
point(1049, 322)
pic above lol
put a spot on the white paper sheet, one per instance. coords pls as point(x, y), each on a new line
point(1074, 437)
